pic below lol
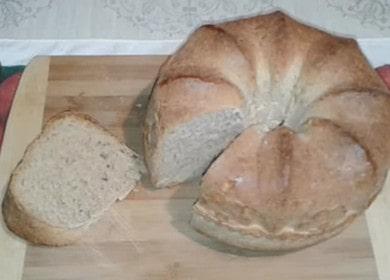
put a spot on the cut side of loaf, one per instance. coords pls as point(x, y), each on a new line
point(189, 149)
point(181, 142)
point(73, 172)
point(306, 153)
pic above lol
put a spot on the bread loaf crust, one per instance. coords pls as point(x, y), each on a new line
point(306, 93)
point(31, 228)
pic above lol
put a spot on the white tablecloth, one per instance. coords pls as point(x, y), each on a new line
point(54, 27)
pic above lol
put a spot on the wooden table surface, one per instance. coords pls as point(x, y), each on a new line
point(147, 236)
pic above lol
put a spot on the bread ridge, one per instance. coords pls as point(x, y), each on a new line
point(237, 39)
point(309, 73)
point(292, 239)
point(231, 236)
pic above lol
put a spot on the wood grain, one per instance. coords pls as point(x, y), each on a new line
point(147, 236)
point(24, 124)
point(378, 220)
point(108, 77)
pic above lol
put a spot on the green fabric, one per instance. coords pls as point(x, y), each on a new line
point(7, 71)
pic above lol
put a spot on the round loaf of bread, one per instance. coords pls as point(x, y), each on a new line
point(288, 123)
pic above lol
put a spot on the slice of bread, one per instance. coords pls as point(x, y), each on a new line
point(71, 174)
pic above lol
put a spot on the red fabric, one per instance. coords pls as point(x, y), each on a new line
point(7, 93)
point(384, 73)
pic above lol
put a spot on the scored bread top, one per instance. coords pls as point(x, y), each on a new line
point(73, 172)
point(312, 96)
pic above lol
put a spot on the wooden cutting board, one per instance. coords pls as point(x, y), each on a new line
point(147, 236)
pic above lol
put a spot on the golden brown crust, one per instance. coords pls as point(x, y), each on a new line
point(206, 51)
point(365, 115)
point(32, 228)
point(231, 236)
point(284, 186)
point(308, 178)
